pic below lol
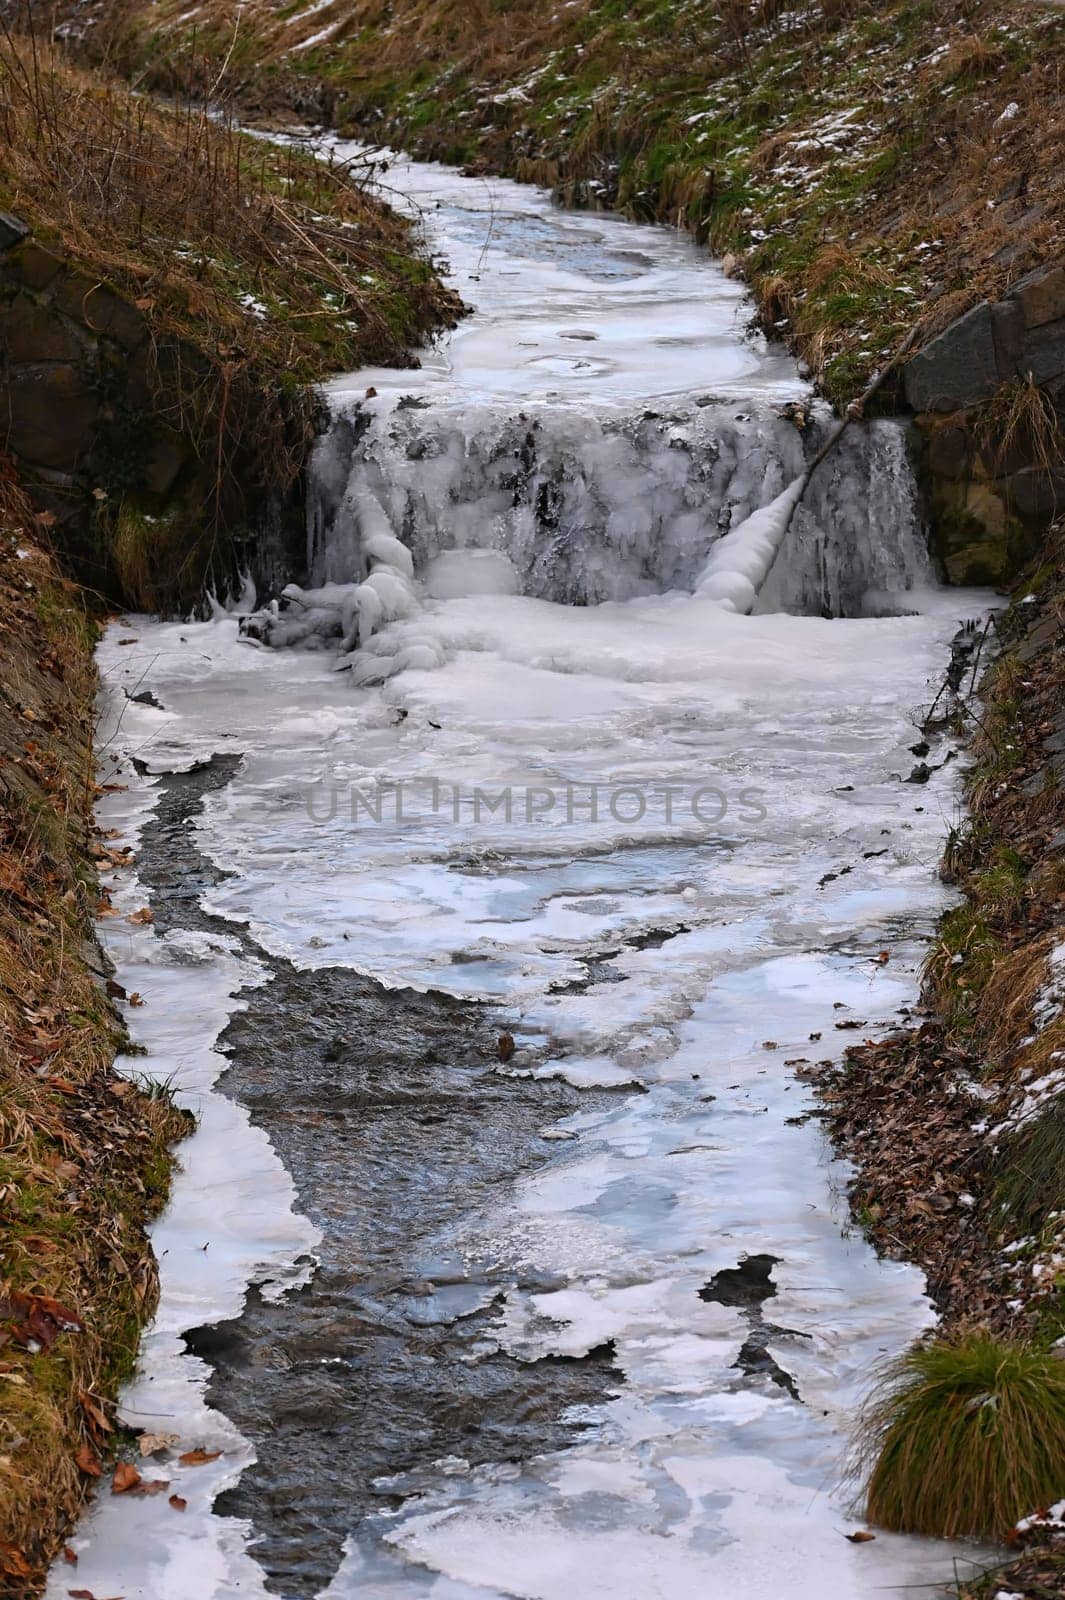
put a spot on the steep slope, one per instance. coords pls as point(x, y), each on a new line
point(867, 163)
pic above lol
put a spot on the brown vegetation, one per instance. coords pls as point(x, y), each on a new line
point(84, 1155)
point(919, 142)
point(256, 269)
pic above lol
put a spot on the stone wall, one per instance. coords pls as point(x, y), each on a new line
point(77, 368)
point(992, 492)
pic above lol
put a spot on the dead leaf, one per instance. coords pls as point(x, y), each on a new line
point(88, 1461)
point(505, 1046)
point(93, 1412)
point(144, 915)
point(13, 1563)
point(126, 1478)
point(136, 999)
point(40, 1319)
point(198, 1458)
point(70, 1556)
point(860, 1537)
point(153, 1486)
point(150, 1443)
point(178, 1502)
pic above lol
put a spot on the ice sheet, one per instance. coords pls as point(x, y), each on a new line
point(670, 842)
point(717, 947)
point(573, 307)
point(230, 1222)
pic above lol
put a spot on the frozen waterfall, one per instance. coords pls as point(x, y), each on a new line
point(579, 507)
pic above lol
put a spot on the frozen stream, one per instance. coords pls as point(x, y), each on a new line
point(557, 795)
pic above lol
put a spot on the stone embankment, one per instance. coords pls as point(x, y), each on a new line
point(989, 394)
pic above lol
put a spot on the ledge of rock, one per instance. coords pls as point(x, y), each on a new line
point(1022, 334)
point(78, 374)
point(992, 492)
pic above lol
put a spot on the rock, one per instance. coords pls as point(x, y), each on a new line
point(33, 265)
point(1043, 353)
point(101, 310)
point(12, 231)
point(1007, 332)
point(166, 457)
point(958, 369)
point(140, 392)
point(1037, 494)
point(1002, 454)
point(48, 415)
point(988, 510)
point(30, 332)
point(979, 565)
point(1040, 296)
point(948, 452)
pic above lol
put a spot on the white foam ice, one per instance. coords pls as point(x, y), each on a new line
point(711, 938)
point(230, 1222)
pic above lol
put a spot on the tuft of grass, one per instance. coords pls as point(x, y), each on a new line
point(1021, 419)
point(965, 1437)
point(1031, 1168)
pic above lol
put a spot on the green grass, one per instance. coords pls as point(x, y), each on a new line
point(965, 1437)
point(1031, 1167)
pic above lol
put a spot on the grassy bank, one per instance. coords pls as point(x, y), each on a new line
point(956, 1130)
point(233, 274)
point(84, 1156)
point(868, 163)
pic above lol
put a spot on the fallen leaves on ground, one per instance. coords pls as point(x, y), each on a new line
point(126, 1477)
point(150, 1443)
point(13, 1563)
point(88, 1461)
point(96, 1415)
point(198, 1458)
point(35, 1321)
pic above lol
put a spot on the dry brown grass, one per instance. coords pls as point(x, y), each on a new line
point(611, 95)
point(1022, 418)
point(84, 1157)
point(258, 269)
